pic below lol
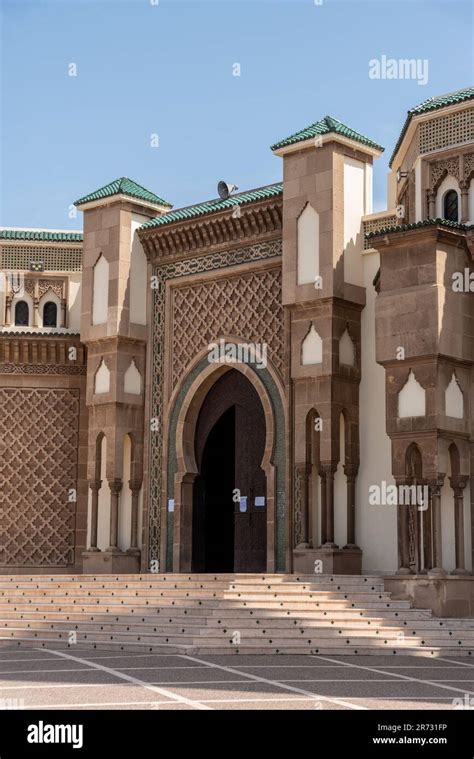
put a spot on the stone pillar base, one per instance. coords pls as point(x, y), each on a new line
point(337, 561)
point(111, 562)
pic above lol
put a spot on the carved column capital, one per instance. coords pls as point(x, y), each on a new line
point(95, 485)
point(134, 485)
point(328, 469)
point(115, 486)
point(435, 484)
point(458, 483)
point(351, 470)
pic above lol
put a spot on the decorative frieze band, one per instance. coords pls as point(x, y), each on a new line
point(229, 227)
point(42, 369)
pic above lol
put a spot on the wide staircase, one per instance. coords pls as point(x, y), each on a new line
point(222, 614)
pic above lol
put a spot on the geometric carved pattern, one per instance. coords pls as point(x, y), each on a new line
point(442, 168)
point(55, 285)
point(19, 257)
point(375, 225)
point(443, 131)
point(41, 369)
point(247, 305)
point(468, 166)
point(38, 465)
point(298, 505)
point(163, 272)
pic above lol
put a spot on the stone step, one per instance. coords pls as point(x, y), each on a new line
point(276, 627)
point(411, 617)
point(195, 596)
point(243, 618)
point(375, 648)
point(225, 641)
point(272, 613)
point(190, 602)
point(196, 588)
point(179, 577)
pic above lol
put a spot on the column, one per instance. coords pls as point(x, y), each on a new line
point(134, 486)
point(330, 470)
point(435, 492)
point(62, 316)
point(350, 470)
point(8, 310)
point(302, 479)
point(322, 505)
point(95, 486)
point(36, 300)
point(35, 314)
point(458, 484)
point(432, 204)
point(464, 187)
point(403, 535)
point(115, 488)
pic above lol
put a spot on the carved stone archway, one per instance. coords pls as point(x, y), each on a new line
point(181, 467)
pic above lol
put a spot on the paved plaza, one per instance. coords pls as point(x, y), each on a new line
point(32, 678)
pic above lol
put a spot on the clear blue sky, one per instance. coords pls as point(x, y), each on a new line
point(166, 69)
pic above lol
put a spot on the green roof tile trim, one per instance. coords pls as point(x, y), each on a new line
point(123, 186)
point(327, 125)
point(40, 235)
point(432, 104)
point(419, 225)
point(212, 206)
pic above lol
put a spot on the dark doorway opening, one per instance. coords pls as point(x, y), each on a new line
point(213, 509)
point(229, 515)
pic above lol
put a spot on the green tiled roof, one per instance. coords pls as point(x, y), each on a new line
point(40, 235)
point(325, 126)
point(432, 104)
point(418, 225)
point(211, 206)
point(123, 186)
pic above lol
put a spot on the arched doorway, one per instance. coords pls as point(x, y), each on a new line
point(229, 492)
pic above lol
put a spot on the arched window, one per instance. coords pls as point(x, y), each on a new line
point(450, 206)
point(22, 314)
point(50, 314)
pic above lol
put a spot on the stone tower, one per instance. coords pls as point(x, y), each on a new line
point(327, 187)
point(114, 329)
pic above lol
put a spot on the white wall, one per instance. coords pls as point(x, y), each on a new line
point(138, 274)
point(100, 292)
point(132, 381)
point(447, 526)
point(369, 193)
point(312, 348)
point(102, 379)
point(125, 503)
point(340, 492)
point(354, 209)
point(411, 398)
point(3, 289)
point(103, 531)
point(418, 194)
point(376, 526)
point(74, 302)
point(471, 202)
point(308, 245)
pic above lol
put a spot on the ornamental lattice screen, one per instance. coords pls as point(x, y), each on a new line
point(39, 438)
point(249, 304)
